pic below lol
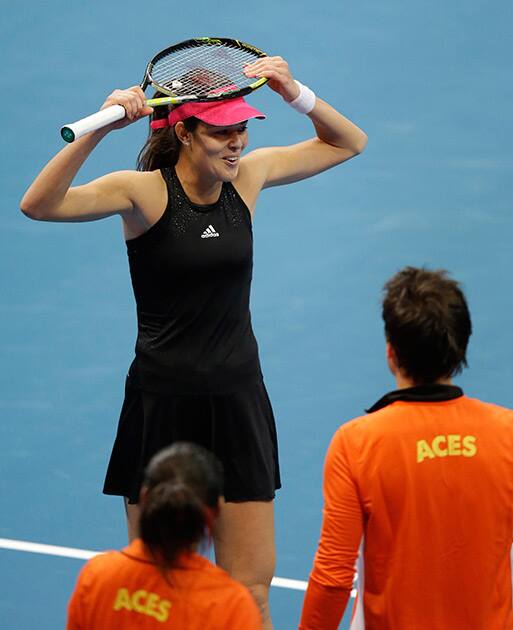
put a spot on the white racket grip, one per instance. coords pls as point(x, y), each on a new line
point(75, 130)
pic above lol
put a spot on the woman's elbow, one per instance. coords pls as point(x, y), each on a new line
point(32, 209)
point(361, 143)
point(351, 149)
point(29, 210)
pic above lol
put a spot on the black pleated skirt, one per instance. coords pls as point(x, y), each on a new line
point(238, 427)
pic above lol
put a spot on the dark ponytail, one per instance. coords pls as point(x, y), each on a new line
point(162, 147)
point(183, 485)
point(172, 520)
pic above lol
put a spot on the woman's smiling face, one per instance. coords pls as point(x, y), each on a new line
point(216, 151)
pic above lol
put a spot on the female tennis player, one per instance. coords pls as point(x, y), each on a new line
point(160, 575)
point(187, 215)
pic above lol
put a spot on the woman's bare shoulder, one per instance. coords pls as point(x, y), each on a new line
point(250, 178)
point(148, 191)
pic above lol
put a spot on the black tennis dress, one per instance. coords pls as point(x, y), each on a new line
point(196, 374)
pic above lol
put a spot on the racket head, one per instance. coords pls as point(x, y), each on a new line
point(204, 69)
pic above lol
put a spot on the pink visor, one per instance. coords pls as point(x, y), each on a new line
point(217, 113)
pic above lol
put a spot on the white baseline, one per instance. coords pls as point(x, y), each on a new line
point(85, 554)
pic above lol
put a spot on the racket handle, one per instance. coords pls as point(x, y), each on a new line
point(75, 130)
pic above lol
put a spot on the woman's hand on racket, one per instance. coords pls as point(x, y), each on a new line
point(133, 100)
point(276, 70)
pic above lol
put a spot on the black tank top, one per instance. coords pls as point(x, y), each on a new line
point(191, 274)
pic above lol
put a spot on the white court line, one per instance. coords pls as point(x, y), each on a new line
point(49, 550)
point(84, 554)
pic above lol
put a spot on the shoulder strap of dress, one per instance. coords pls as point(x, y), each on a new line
point(231, 192)
point(167, 174)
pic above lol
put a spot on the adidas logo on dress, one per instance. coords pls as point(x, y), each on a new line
point(210, 232)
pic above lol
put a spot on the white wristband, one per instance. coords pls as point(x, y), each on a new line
point(305, 102)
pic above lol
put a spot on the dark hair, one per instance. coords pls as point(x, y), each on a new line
point(427, 323)
point(162, 147)
point(183, 485)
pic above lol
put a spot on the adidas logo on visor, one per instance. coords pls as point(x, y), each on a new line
point(210, 232)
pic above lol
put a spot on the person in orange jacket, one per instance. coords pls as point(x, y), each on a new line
point(160, 580)
point(422, 485)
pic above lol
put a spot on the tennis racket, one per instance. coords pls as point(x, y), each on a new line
point(201, 69)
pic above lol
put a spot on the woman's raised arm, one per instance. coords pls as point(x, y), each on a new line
point(51, 197)
point(337, 138)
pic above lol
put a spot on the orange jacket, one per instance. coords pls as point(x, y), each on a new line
point(122, 590)
point(425, 482)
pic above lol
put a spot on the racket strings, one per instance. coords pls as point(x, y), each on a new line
point(203, 70)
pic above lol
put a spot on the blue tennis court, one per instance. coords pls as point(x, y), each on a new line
point(430, 83)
